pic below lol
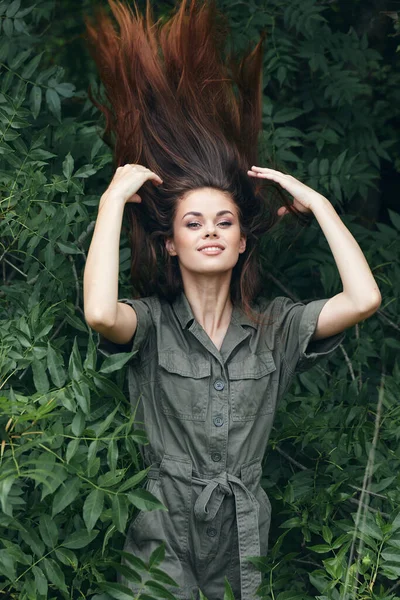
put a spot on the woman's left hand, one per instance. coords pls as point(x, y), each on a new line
point(304, 197)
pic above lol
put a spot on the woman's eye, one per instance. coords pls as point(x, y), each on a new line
point(194, 225)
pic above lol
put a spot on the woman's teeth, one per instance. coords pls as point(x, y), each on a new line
point(211, 249)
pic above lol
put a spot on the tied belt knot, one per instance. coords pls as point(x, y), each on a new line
point(209, 502)
point(206, 508)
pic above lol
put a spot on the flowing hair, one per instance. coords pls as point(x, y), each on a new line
point(176, 106)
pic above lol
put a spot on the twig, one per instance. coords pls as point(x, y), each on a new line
point(368, 491)
point(359, 364)
point(290, 459)
point(283, 288)
point(71, 260)
point(307, 562)
point(348, 361)
point(86, 233)
point(363, 505)
point(365, 486)
point(14, 267)
point(382, 314)
point(394, 587)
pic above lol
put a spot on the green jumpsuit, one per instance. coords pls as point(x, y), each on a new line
point(208, 414)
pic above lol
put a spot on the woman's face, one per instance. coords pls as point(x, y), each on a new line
point(206, 217)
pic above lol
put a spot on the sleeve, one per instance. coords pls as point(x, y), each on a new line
point(144, 322)
point(296, 323)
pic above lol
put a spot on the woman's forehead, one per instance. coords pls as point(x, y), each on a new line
point(206, 200)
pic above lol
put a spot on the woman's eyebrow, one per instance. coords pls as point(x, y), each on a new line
point(199, 214)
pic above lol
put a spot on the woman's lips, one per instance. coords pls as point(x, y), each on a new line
point(211, 250)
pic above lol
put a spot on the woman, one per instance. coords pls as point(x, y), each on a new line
point(211, 358)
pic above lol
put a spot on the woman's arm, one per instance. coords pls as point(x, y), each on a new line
point(360, 297)
point(115, 320)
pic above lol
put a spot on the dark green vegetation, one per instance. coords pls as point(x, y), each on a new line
point(70, 478)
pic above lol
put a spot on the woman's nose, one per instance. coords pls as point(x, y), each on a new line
point(211, 230)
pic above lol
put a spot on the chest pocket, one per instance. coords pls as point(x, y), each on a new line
point(183, 383)
point(251, 386)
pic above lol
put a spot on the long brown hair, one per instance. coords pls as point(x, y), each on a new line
point(174, 105)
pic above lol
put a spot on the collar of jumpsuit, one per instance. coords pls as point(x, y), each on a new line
point(185, 314)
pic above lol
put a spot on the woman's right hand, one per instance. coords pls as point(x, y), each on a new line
point(126, 182)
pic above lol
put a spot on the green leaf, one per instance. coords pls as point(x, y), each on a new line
point(69, 248)
point(13, 8)
point(159, 590)
point(370, 528)
point(139, 436)
point(80, 539)
point(5, 487)
point(85, 171)
point(75, 368)
point(91, 354)
point(144, 500)
point(31, 538)
point(112, 454)
point(8, 27)
point(82, 395)
point(106, 423)
point(320, 548)
point(290, 523)
point(35, 100)
point(20, 58)
point(116, 361)
point(39, 377)
point(55, 365)
point(72, 447)
point(396, 523)
point(391, 555)
point(287, 114)
point(67, 557)
point(53, 102)
point(65, 89)
point(119, 512)
point(162, 577)
point(129, 573)
point(78, 423)
point(157, 556)
point(111, 478)
point(228, 593)
point(40, 581)
point(31, 67)
point(395, 218)
point(337, 164)
point(54, 573)
point(134, 480)
point(93, 507)
point(65, 495)
point(68, 166)
point(327, 534)
point(116, 590)
point(324, 167)
point(137, 562)
point(48, 530)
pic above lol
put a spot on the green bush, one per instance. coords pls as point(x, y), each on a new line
point(71, 475)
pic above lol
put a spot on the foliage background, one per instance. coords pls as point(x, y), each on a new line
point(70, 478)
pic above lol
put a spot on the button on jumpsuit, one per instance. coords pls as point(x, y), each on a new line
point(208, 414)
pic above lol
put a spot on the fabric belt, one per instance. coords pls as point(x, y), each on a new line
point(206, 508)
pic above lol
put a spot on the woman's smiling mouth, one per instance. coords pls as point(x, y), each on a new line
point(211, 250)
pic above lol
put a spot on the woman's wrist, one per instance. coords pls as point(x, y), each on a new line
point(112, 198)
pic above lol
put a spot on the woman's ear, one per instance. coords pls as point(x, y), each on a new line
point(170, 247)
point(242, 244)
